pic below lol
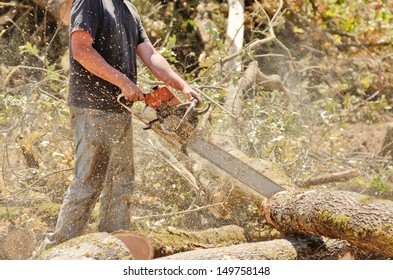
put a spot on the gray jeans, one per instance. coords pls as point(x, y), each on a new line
point(104, 171)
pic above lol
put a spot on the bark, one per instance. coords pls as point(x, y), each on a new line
point(297, 248)
point(235, 32)
point(365, 222)
point(128, 245)
point(16, 243)
point(94, 246)
point(175, 240)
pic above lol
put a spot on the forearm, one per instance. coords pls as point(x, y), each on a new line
point(92, 61)
point(161, 69)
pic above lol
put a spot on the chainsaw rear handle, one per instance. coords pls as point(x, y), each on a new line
point(124, 105)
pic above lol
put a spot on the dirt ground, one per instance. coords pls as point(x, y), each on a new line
point(365, 138)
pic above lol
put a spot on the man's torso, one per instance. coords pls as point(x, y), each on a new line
point(116, 29)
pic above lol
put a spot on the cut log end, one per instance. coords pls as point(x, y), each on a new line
point(16, 243)
point(94, 246)
point(139, 246)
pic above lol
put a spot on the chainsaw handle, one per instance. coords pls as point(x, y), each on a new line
point(191, 106)
point(128, 108)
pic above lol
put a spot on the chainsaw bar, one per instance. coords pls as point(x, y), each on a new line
point(234, 167)
point(172, 120)
point(228, 163)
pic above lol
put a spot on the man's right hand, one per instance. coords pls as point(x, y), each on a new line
point(131, 92)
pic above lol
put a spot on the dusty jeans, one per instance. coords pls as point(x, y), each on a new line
point(104, 170)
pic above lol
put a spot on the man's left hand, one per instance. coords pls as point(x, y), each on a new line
point(191, 94)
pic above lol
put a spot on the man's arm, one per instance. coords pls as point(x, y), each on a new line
point(88, 57)
point(161, 69)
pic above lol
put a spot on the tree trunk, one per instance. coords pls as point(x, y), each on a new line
point(297, 248)
point(361, 220)
point(235, 32)
point(16, 243)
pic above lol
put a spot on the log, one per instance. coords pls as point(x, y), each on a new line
point(212, 244)
point(296, 248)
point(363, 221)
point(16, 243)
point(174, 240)
point(93, 246)
point(127, 245)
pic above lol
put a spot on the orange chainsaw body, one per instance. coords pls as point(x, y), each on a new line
point(161, 95)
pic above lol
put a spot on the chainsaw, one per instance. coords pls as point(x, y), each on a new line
point(177, 122)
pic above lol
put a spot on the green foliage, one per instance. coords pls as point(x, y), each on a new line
point(168, 52)
point(379, 184)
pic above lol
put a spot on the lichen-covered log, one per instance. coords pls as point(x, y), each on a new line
point(359, 219)
point(296, 248)
point(16, 243)
point(94, 246)
point(174, 240)
point(105, 246)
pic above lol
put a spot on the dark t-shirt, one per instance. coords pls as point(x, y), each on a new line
point(116, 29)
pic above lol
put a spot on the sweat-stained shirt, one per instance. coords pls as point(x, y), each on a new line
point(116, 29)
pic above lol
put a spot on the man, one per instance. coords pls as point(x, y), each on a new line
point(106, 36)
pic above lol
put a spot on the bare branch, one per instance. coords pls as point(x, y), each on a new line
point(331, 178)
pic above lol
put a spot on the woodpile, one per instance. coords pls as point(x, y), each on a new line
point(317, 225)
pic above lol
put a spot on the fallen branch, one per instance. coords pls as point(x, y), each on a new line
point(185, 212)
point(331, 178)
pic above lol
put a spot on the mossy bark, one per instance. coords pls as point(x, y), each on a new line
point(296, 248)
point(361, 220)
point(105, 246)
point(174, 240)
point(94, 246)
